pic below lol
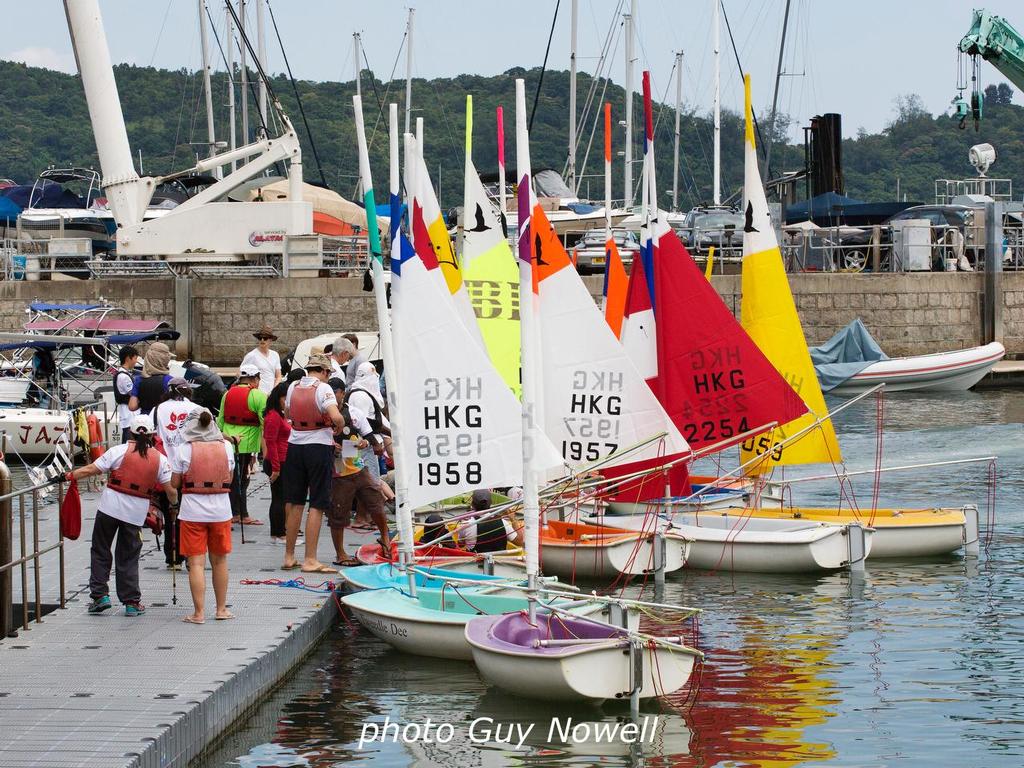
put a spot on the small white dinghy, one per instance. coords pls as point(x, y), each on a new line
point(566, 658)
point(758, 545)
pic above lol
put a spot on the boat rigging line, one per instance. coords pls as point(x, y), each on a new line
point(295, 90)
point(736, 53)
point(544, 66)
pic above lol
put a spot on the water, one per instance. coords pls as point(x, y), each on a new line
point(915, 664)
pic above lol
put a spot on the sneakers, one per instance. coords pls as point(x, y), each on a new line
point(133, 609)
point(100, 604)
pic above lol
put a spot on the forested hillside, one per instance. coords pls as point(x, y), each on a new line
point(44, 120)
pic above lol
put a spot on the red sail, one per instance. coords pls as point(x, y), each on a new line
point(712, 379)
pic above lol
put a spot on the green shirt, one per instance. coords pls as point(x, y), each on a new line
point(250, 442)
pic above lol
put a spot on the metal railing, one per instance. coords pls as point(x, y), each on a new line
point(8, 563)
point(345, 256)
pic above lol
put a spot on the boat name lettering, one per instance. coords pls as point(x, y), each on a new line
point(449, 473)
point(266, 236)
point(42, 434)
point(607, 381)
point(461, 387)
point(577, 450)
point(372, 622)
point(447, 417)
point(715, 358)
point(713, 430)
point(716, 381)
point(592, 404)
point(493, 300)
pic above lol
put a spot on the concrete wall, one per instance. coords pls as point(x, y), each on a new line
point(908, 313)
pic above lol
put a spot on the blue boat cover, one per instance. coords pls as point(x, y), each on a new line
point(845, 355)
point(9, 211)
point(43, 306)
point(47, 195)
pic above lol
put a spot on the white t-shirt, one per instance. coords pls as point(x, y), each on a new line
point(202, 507)
point(124, 383)
point(324, 398)
point(364, 401)
point(466, 532)
point(127, 509)
point(170, 418)
point(269, 365)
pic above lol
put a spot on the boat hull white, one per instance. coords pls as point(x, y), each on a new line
point(758, 545)
point(633, 555)
point(939, 372)
point(34, 432)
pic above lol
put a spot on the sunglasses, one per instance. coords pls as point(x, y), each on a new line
point(264, 338)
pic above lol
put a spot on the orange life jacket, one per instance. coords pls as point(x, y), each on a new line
point(236, 407)
point(208, 470)
point(303, 411)
point(137, 475)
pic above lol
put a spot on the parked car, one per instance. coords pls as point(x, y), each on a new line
point(589, 253)
point(704, 228)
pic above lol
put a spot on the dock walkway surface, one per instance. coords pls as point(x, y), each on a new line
point(108, 690)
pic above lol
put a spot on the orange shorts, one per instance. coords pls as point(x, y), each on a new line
point(197, 538)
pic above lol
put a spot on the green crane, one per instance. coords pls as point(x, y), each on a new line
point(993, 39)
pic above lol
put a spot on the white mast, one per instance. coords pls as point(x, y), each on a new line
point(229, 36)
point(717, 109)
point(501, 160)
point(675, 159)
point(404, 516)
point(408, 69)
point(244, 82)
point(627, 192)
point(572, 98)
point(608, 170)
point(204, 43)
point(528, 336)
point(261, 52)
point(356, 50)
point(128, 195)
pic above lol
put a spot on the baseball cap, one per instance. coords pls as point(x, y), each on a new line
point(142, 424)
point(248, 370)
point(481, 498)
point(180, 383)
point(321, 361)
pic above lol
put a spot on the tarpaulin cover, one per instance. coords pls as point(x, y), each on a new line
point(845, 355)
point(42, 306)
point(9, 211)
point(114, 338)
point(47, 195)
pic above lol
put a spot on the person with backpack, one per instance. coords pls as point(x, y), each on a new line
point(209, 386)
point(151, 386)
point(169, 420)
point(124, 382)
point(203, 465)
point(136, 471)
point(241, 420)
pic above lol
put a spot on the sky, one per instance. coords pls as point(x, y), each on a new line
point(852, 58)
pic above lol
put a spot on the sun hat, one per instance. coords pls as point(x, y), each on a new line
point(321, 361)
point(265, 330)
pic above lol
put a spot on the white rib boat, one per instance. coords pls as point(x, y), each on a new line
point(754, 545)
point(938, 372)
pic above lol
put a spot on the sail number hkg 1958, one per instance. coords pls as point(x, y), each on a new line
point(449, 447)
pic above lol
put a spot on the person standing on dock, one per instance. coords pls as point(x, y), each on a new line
point(241, 419)
point(266, 360)
point(137, 470)
point(124, 382)
point(276, 431)
point(151, 386)
point(169, 419)
point(308, 468)
point(203, 466)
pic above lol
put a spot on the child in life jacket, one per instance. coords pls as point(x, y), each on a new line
point(136, 471)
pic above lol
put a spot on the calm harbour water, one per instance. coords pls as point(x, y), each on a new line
point(917, 663)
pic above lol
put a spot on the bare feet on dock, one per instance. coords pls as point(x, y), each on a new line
point(195, 618)
point(315, 566)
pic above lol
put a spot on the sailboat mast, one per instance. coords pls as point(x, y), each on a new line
point(356, 53)
point(528, 332)
point(261, 52)
point(775, 95)
point(229, 36)
point(501, 160)
point(608, 169)
point(572, 97)
point(204, 44)
point(408, 68)
point(718, 106)
point(244, 82)
point(627, 192)
point(675, 156)
point(403, 514)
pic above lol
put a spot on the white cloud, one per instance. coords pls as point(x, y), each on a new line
point(47, 58)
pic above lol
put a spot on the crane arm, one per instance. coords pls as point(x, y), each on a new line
point(997, 42)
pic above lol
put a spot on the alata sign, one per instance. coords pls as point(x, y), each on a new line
point(258, 238)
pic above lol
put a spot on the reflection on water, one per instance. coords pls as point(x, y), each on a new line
point(916, 663)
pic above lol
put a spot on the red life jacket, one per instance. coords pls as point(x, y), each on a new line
point(208, 470)
point(236, 407)
point(303, 411)
point(137, 475)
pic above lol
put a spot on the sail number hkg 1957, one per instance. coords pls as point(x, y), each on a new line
point(595, 408)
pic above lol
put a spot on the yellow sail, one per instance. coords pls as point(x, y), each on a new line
point(769, 315)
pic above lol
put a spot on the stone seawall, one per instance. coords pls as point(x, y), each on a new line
point(909, 314)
